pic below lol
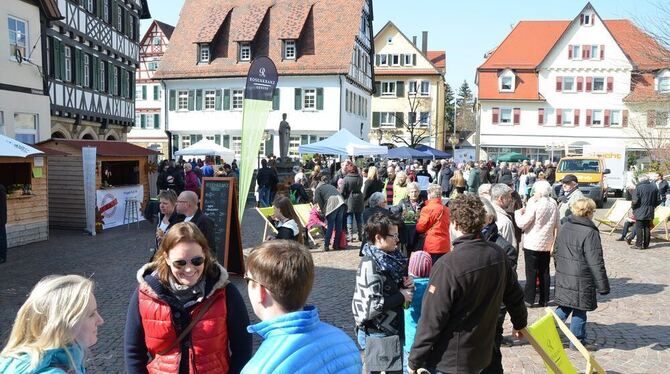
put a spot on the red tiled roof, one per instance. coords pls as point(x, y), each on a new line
point(103, 147)
point(643, 51)
point(326, 43)
point(408, 71)
point(217, 15)
point(643, 90)
point(167, 29)
point(294, 23)
point(437, 58)
point(48, 151)
point(526, 87)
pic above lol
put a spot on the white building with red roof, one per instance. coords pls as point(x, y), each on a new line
point(565, 84)
point(322, 50)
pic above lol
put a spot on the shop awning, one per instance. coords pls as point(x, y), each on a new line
point(103, 147)
point(344, 143)
point(13, 148)
point(206, 147)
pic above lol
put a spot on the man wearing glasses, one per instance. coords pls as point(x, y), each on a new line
point(187, 204)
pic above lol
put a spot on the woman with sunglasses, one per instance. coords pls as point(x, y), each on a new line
point(382, 288)
point(186, 316)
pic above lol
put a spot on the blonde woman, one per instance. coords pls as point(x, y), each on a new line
point(458, 183)
point(372, 184)
point(400, 190)
point(54, 328)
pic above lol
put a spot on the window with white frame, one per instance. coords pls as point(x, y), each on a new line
point(395, 60)
point(309, 99)
point(383, 60)
point(389, 40)
point(568, 84)
point(388, 88)
point(89, 5)
point(152, 65)
point(412, 87)
point(289, 49)
point(506, 116)
point(245, 52)
point(138, 120)
point(182, 100)
point(598, 84)
point(293, 144)
point(115, 80)
point(101, 84)
point(664, 84)
point(568, 115)
point(594, 53)
point(615, 118)
point(424, 118)
point(185, 141)
point(238, 99)
point(150, 121)
point(204, 53)
point(506, 81)
point(387, 119)
point(587, 19)
point(26, 127)
point(210, 99)
point(408, 59)
point(119, 18)
point(68, 63)
point(156, 40)
point(138, 93)
point(18, 36)
point(576, 52)
point(597, 117)
point(425, 88)
point(87, 71)
point(105, 10)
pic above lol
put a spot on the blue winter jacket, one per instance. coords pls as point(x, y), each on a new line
point(54, 361)
point(299, 342)
point(413, 313)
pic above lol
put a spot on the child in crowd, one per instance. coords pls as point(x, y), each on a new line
point(280, 275)
point(419, 267)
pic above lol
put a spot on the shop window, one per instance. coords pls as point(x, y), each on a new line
point(25, 127)
point(120, 173)
point(15, 175)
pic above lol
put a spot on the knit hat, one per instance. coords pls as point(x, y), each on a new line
point(420, 264)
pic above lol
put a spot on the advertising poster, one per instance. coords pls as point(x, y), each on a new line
point(112, 204)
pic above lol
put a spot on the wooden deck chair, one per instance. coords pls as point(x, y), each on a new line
point(303, 210)
point(265, 213)
point(544, 338)
point(661, 215)
point(615, 215)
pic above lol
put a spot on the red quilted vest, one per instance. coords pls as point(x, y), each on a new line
point(209, 337)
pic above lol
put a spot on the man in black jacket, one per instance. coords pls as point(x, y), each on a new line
point(266, 179)
point(443, 178)
point(662, 187)
point(187, 204)
point(645, 199)
point(461, 304)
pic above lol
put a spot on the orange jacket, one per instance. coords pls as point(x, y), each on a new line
point(434, 222)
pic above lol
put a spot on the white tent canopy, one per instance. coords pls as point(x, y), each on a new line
point(206, 147)
point(13, 148)
point(343, 143)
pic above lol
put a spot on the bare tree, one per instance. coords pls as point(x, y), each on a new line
point(411, 128)
point(658, 28)
point(653, 135)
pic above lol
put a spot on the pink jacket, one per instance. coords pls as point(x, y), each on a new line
point(539, 223)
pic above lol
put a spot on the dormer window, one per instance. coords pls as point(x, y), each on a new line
point(203, 54)
point(506, 82)
point(663, 82)
point(587, 19)
point(245, 51)
point(289, 50)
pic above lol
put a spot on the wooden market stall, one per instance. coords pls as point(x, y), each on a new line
point(121, 173)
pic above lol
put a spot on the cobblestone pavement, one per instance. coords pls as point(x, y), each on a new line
point(631, 325)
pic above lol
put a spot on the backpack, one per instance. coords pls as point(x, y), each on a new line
point(293, 196)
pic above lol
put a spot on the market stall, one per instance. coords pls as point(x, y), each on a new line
point(344, 143)
point(121, 175)
point(23, 172)
point(207, 147)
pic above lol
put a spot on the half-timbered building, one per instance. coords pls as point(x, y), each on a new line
point(92, 56)
point(323, 52)
point(149, 129)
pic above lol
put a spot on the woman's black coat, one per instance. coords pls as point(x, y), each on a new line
point(580, 268)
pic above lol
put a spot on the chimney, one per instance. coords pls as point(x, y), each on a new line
point(424, 42)
point(414, 40)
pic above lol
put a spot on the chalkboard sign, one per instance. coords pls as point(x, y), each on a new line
point(219, 202)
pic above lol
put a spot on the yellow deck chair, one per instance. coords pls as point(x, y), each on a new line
point(615, 215)
point(544, 338)
point(661, 215)
point(265, 213)
point(302, 210)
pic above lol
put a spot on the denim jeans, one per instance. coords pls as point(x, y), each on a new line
point(359, 221)
point(264, 196)
point(335, 222)
point(577, 322)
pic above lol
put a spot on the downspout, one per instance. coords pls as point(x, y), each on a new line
point(341, 98)
point(166, 100)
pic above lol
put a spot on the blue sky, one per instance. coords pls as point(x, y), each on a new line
point(464, 29)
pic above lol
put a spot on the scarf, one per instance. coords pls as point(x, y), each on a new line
point(188, 295)
point(393, 263)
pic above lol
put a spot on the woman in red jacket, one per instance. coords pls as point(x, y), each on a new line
point(184, 287)
point(434, 223)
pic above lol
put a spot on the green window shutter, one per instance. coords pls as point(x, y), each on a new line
point(319, 99)
point(226, 141)
point(304, 139)
point(156, 92)
point(144, 92)
point(414, 59)
point(173, 100)
point(198, 99)
point(375, 119)
point(399, 119)
point(175, 143)
point(217, 103)
point(143, 121)
point(113, 13)
point(275, 99)
point(378, 88)
point(110, 78)
point(269, 145)
point(312, 139)
point(198, 138)
point(96, 73)
point(193, 139)
point(298, 98)
point(400, 88)
point(78, 63)
point(124, 82)
point(191, 100)
point(226, 99)
point(157, 121)
point(217, 139)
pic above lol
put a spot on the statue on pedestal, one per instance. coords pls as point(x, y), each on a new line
point(284, 139)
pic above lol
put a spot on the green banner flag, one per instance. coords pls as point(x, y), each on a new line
point(261, 83)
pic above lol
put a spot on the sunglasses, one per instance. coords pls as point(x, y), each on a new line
point(250, 279)
point(195, 261)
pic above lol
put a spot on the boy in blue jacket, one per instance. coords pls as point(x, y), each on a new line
point(419, 267)
point(280, 275)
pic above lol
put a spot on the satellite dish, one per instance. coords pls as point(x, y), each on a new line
point(18, 56)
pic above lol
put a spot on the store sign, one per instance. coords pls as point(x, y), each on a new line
point(88, 159)
point(112, 202)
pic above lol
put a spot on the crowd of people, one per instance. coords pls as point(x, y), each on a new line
point(439, 245)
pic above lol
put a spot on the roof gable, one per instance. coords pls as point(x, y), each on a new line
point(156, 25)
point(431, 60)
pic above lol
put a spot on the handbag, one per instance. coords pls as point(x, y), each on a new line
point(190, 326)
point(383, 354)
